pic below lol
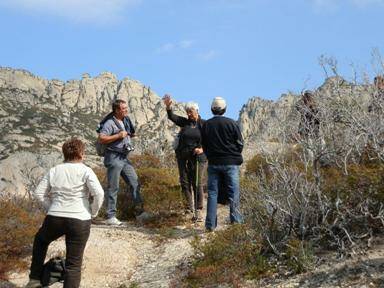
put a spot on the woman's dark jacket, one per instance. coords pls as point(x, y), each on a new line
point(190, 135)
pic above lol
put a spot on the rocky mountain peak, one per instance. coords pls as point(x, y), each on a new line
point(37, 115)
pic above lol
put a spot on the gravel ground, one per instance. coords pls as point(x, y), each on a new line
point(133, 256)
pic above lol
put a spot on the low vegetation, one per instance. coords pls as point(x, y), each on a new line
point(228, 256)
point(319, 191)
point(19, 221)
point(159, 188)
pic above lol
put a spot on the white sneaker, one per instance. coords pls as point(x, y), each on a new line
point(113, 221)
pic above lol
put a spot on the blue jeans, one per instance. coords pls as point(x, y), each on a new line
point(118, 165)
point(229, 174)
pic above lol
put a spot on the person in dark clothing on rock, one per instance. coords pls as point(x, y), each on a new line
point(309, 127)
point(222, 144)
point(309, 123)
point(190, 155)
point(377, 103)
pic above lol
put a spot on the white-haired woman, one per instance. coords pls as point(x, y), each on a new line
point(189, 154)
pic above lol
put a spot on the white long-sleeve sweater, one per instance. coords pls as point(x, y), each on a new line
point(66, 189)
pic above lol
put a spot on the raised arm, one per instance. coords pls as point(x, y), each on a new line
point(178, 120)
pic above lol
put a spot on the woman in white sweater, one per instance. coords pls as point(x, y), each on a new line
point(65, 192)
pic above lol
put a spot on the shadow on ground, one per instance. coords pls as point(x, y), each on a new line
point(367, 272)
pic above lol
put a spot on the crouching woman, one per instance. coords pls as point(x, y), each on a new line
point(65, 193)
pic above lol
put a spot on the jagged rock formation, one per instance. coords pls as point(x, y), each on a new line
point(260, 119)
point(38, 115)
point(264, 121)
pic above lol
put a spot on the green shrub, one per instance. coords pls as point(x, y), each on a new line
point(299, 255)
point(228, 256)
point(160, 190)
point(257, 164)
point(19, 222)
point(162, 195)
point(367, 180)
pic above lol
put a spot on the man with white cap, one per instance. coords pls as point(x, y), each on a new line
point(222, 143)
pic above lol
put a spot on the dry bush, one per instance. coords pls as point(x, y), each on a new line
point(19, 222)
point(326, 188)
point(323, 189)
point(146, 161)
point(339, 213)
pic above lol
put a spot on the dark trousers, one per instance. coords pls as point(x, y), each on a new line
point(187, 172)
point(76, 235)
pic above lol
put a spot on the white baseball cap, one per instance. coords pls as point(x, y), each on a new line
point(218, 103)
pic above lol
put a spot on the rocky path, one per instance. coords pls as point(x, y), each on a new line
point(132, 256)
point(128, 256)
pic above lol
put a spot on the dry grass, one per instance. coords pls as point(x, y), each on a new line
point(19, 222)
point(160, 191)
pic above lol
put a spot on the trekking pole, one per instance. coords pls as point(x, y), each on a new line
point(196, 185)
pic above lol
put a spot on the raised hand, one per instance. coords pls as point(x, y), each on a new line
point(167, 100)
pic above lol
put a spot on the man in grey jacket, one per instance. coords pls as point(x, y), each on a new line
point(117, 135)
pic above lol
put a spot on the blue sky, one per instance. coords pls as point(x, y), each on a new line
point(193, 49)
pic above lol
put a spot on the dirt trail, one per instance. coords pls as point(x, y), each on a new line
point(133, 256)
point(130, 254)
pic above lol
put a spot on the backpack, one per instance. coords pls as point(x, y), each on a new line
point(53, 271)
point(101, 148)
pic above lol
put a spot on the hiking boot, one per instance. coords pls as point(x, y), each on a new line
point(113, 221)
point(197, 217)
point(188, 212)
point(209, 230)
point(33, 283)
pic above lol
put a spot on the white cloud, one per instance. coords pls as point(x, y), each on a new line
point(89, 11)
point(168, 47)
point(208, 55)
point(185, 44)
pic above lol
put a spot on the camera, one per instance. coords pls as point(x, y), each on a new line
point(128, 148)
